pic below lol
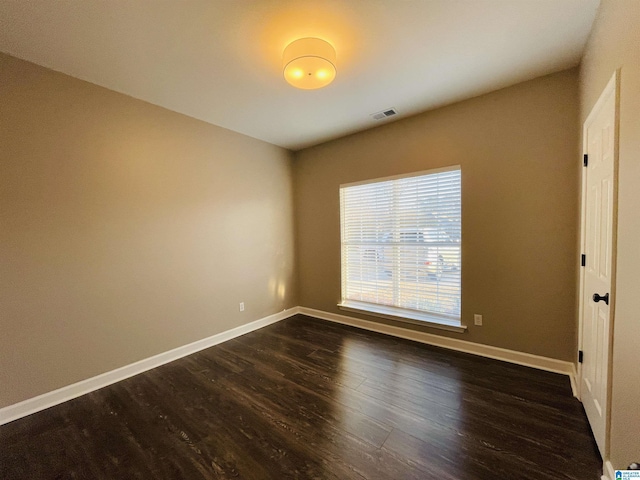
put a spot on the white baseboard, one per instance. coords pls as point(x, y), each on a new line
point(573, 378)
point(511, 356)
point(609, 471)
point(55, 397)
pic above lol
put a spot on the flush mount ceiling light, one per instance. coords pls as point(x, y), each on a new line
point(309, 63)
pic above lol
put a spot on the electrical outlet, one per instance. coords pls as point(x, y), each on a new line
point(477, 319)
point(242, 306)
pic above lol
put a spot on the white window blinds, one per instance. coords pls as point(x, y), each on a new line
point(401, 244)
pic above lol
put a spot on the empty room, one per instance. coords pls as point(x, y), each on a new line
point(301, 239)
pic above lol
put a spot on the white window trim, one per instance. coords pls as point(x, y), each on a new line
point(403, 315)
point(403, 175)
point(414, 317)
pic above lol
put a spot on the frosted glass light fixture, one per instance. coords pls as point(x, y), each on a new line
point(309, 63)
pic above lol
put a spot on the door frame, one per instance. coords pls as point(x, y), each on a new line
point(612, 88)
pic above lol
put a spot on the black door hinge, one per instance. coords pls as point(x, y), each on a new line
point(583, 260)
point(585, 159)
point(580, 355)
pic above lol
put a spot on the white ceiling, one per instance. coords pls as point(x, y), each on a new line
point(220, 60)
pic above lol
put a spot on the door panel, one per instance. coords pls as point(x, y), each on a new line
point(598, 215)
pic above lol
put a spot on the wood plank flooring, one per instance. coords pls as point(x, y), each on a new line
point(309, 399)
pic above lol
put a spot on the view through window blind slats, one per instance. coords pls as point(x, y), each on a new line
point(401, 243)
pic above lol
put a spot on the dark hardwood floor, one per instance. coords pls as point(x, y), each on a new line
point(309, 399)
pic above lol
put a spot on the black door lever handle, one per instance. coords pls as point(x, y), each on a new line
point(597, 298)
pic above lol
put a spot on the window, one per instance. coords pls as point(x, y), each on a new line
point(401, 247)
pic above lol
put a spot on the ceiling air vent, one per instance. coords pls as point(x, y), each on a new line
point(384, 114)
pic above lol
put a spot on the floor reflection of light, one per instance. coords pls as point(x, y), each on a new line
point(412, 392)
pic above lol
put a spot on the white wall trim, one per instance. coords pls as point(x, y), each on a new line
point(497, 353)
point(573, 378)
point(609, 472)
point(55, 397)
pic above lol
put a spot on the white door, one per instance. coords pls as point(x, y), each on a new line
point(599, 193)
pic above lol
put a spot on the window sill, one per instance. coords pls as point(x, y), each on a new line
point(406, 316)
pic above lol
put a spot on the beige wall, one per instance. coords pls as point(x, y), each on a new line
point(615, 43)
point(519, 157)
point(127, 230)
